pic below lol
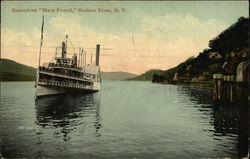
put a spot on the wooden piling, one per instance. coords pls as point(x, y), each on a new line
point(217, 86)
point(226, 88)
point(233, 90)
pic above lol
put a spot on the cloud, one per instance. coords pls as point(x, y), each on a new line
point(180, 36)
point(17, 45)
point(164, 41)
point(174, 25)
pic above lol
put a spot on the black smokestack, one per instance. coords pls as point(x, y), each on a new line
point(63, 50)
point(97, 54)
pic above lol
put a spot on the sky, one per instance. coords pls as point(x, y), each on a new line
point(143, 35)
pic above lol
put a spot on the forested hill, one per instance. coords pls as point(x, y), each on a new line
point(232, 39)
point(13, 71)
point(223, 54)
point(145, 76)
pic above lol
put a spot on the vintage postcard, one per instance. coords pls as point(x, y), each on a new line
point(124, 79)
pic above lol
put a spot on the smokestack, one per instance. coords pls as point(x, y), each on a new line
point(64, 50)
point(97, 54)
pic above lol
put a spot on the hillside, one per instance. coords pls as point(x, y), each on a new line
point(147, 76)
point(116, 75)
point(13, 71)
point(224, 54)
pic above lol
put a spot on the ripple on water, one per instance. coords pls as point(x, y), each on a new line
point(124, 120)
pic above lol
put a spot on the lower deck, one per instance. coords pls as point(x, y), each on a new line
point(44, 89)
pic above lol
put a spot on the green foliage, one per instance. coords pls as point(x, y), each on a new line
point(12, 71)
point(147, 76)
point(158, 78)
point(16, 77)
point(182, 67)
point(169, 74)
point(236, 36)
point(207, 74)
point(215, 68)
point(203, 56)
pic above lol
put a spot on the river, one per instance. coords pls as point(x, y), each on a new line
point(126, 119)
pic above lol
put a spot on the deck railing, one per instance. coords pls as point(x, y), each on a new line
point(65, 73)
point(65, 84)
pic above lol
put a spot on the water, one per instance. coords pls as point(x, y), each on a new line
point(125, 119)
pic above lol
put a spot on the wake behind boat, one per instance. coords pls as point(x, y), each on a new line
point(68, 75)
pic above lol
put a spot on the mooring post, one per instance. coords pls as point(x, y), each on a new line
point(224, 89)
point(228, 89)
point(232, 90)
point(217, 86)
point(215, 91)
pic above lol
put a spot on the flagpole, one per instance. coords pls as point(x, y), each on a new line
point(41, 42)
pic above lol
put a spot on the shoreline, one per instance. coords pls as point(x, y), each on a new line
point(204, 85)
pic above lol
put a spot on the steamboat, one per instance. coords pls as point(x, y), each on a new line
point(68, 75)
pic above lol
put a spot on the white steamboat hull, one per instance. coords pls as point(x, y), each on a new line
point(50, 90)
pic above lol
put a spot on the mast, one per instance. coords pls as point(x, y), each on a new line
point(82, 57)
point(91, 59)
point(39, 61)
point(66, 46)
point(79, 57)
point(85, 58)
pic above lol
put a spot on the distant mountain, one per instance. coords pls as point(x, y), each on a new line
point(116, 75)
point(147, 76)
point(13, 71)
